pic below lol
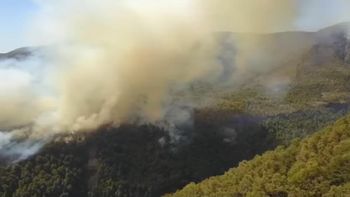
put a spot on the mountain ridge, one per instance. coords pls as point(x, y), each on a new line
point(141, 161)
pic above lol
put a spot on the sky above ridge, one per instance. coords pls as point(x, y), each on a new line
point(16, 16)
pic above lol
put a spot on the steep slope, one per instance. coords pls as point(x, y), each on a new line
point(316, 166)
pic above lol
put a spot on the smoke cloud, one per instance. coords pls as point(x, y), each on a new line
point(125, 61)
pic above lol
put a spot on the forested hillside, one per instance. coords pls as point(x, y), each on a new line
point(258, 114)
point(142, 161)
point(131, 161)
point(57, 171)
point(316, 166)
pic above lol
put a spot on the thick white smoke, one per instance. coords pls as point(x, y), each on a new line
point(125, 61)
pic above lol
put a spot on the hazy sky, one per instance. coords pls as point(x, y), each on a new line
point(16, 14)
point(14, 18)
point(315, 14)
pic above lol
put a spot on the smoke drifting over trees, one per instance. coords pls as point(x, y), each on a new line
point(124, 61)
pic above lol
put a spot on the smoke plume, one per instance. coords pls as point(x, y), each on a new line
point(124, 61)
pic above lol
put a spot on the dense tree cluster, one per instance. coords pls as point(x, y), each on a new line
point(57, 171)
point(135, 161)
point(286, 127)
point(147, 161)
point(142, 161)
point(322, 84)
point(316, 166)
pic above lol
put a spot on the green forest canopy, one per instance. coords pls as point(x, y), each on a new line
point(316, 166)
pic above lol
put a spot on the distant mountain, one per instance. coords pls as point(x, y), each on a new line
point(309, 48)
point(18, 54)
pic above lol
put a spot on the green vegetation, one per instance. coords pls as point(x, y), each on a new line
point(318, 165)
point(130, 161)
point(286, 127)
point(142, 160)
point(145, 161)
point(57, 171)
point(322, 84)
